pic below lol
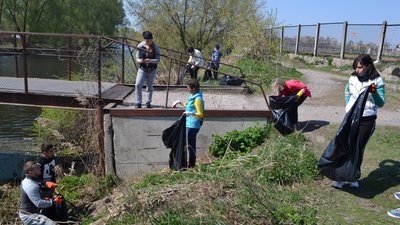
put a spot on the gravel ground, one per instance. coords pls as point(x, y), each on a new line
point(325, 107)
point(327, 103)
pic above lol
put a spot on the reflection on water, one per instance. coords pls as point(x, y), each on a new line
point(15, 127)
point(16, 121)
point(38, 67)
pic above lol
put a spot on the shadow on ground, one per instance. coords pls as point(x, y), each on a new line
point(310, 125)
point(387, 175)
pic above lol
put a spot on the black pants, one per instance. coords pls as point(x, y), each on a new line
point(208, 74)
point(193, 72)
point(367, 128)
point(293, 113)
point(191, 137)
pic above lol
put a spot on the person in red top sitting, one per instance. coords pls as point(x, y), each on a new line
point(289, 88)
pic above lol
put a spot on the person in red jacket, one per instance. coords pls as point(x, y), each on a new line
point(289, 88)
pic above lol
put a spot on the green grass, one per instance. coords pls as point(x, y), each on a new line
point(262, 72)
point(379, 180)
point(244, 188)
point(239, 187)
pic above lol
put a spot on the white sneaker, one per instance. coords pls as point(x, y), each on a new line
point(397, 195)
point(395, 213)
point(337, 184)
point(354, 184)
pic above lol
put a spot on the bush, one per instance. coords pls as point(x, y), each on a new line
point(239, 141)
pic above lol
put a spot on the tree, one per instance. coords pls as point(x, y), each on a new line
point(63, 16)
point(23, 13)
point(183, 23)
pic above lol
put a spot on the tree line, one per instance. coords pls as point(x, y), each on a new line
point(238, 25)
point(62, 16)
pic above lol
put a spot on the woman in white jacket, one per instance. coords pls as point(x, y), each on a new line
point(364, 77)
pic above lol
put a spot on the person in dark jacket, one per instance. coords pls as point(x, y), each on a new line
point(148, 56)
point(31, 202)
point(213, 64)
point(47, 163)
point(194, 111)
point(364, 78)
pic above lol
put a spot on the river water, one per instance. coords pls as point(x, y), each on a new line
point(16, 122)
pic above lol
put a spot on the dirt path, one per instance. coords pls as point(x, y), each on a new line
point(327, 103)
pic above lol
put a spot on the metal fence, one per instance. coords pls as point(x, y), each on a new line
point(340, 39)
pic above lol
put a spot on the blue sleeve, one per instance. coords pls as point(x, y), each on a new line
point(347, 93)
point(379, 96)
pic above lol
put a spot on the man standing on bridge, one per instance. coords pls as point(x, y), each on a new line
point(148, 56)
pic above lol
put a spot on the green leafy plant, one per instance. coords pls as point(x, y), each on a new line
point(240, 141)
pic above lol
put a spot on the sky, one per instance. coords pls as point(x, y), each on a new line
point(293, 12)
point(307, 12)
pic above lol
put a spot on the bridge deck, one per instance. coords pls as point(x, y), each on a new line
point(58, 92)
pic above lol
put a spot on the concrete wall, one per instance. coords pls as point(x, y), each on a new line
point(135, 141)
point(11, 164)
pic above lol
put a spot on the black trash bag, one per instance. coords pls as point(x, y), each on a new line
point(57, 212)
point(228, 80)
point(234, 81)
point(223, 80)
point(174, 137)
point(281, 108)
point(207, 73)
point(341, 160)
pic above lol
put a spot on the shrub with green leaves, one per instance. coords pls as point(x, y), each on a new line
point(239, 141)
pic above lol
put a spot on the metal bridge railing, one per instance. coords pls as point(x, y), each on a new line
point(90, 54)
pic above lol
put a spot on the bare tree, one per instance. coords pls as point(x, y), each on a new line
point(183, 23)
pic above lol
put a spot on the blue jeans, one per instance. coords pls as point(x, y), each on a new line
point(140, 78)
point(35, 218)
point(191, 137)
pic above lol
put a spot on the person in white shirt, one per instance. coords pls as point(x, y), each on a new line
point(195, 61)
point(364, 78)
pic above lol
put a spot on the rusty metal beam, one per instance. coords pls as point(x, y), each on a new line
point(178, 112)
point(46, 100)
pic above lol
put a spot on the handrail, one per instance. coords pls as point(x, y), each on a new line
point(99, 47)
point(184, 53)
point(181, 61)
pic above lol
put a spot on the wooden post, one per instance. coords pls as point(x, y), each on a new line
point(123, 62)
point(316, 39)
point(281, 42)
point(69, 59)
point(25, 63)
point(100, 136)
point(343, 49)
point(99, 109)
point(16, 56)
point(296, 50)
point(383, 34)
